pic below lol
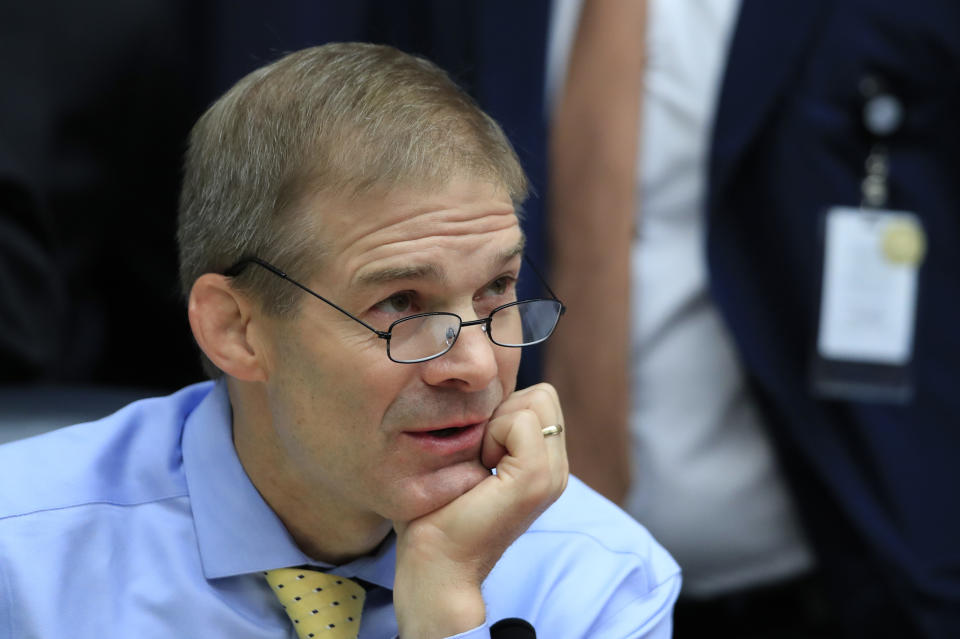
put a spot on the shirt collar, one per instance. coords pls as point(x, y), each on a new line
point(237, 532)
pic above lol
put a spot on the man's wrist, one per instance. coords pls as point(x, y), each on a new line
point(439, 614)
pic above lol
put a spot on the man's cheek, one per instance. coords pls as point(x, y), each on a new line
point(509, 363)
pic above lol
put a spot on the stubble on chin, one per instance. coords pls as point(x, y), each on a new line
point(443, 487)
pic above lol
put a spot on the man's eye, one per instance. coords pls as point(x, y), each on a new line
point(501, 285)
point(396, 303)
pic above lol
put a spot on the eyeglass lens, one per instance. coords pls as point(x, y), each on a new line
point(525, 323)
point(521, 324)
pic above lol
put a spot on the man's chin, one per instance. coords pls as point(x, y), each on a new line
point(434, 490)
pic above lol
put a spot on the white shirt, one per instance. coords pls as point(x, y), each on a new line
point(705, 480)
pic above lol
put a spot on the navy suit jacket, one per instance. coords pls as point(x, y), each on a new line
point(877, 484)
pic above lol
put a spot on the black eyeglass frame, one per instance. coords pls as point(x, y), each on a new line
point(240, 264)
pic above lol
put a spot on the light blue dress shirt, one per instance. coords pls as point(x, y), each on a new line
point(144, 524)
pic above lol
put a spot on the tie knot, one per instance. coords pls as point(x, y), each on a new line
point(320, 605)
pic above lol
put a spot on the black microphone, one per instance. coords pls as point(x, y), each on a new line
point(512, 628)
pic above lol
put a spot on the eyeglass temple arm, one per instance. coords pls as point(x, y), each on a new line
point(236, 268)
point(563, 307)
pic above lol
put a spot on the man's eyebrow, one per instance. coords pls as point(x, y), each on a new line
point(511, 253)
point(393, 273)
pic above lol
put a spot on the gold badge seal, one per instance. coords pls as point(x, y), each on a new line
point(904, 242)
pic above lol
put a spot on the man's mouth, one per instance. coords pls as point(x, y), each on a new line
point(449, 439)
point(443, 433)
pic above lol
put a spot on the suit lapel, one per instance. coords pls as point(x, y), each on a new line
point(765, 53)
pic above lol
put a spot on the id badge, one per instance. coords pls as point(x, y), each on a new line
point(868, 303)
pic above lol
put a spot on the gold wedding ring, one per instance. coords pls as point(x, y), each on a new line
point(552, 429)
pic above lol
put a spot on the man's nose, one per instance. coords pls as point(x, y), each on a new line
point(470, 364)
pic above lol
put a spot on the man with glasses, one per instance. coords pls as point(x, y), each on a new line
point(350, 251)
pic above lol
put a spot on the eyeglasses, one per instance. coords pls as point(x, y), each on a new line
point(425, 336)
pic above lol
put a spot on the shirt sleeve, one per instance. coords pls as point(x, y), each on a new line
point(480, 632)
point(648, 618)
point(596, 575)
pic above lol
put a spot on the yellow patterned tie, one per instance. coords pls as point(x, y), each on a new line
point(321, 606)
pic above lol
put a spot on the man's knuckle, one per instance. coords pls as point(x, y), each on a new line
point(528, 416)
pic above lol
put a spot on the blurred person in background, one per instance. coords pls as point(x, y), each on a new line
point(785, 428)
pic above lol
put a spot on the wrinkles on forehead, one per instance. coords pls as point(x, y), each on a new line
point(429, 271)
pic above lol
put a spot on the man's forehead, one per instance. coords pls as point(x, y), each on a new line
point(339, 209)
point(429, 270)
point(390, 234)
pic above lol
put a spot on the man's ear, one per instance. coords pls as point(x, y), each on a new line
point(219, 317)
